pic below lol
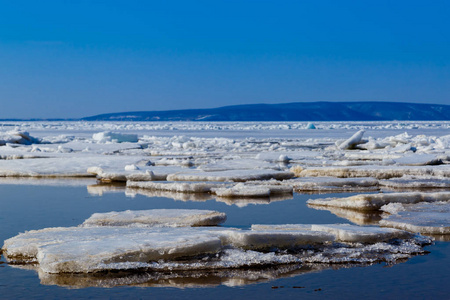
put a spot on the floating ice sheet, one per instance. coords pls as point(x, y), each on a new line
point(375, 171)
point(133, 172)
point(332, 183)
point(368, 202)
point(178, 187)
point(343, 232)
point(417, 182)
point(132, 192)
point(90, 248)
point(75, 166)
point(157, 217)
point(230, 175)
point(243, 190)
point(78, 249)
point(426, 218)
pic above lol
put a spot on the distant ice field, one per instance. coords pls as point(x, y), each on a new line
point(230, 129)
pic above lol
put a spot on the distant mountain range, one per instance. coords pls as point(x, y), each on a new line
point(298, 111)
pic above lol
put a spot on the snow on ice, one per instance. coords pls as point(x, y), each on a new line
point(91, 248)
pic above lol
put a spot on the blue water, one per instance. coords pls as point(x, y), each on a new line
point(25, 207)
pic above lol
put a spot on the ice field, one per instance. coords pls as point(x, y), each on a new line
point(383, 185)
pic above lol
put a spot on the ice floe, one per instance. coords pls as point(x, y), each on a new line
point(243, 190)
point(376, 171)
point(333, 184)
point(157, 217)
point(133, 172)
point(343, 232)
point(416, 182)
point(426, 218)
point(108, 242)
point(178, 187)
point(368, 202)
point(230, 175)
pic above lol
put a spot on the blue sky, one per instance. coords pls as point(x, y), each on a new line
point(80, 58)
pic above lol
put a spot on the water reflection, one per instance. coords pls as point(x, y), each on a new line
point(132, 192)
point(180, 279)
point(100, 189)
point(354, 216)
point(243, 201)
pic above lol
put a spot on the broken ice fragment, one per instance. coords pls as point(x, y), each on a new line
point(425, 218)
point(115, 137)
point(342, 232)
point(257, 191)
point(157, 217)
point(265, 239)
point(230, 175)
point(368, 202)
point(352, 141)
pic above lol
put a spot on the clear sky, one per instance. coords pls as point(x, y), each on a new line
point(79, 58)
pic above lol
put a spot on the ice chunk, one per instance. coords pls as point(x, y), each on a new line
point(265, 239)
point(367, 202)
point(310, 126)
point(242, 190)
point(418, 160)
point(343, 232)
point(230, 175)
point(17, 137)
point(376, 171)
point(142, 173)
point(75, 166)
point(115, 137)
point(426, 218)
point(352, 141)
point(332, 183)
point(179, 187)
point(418, 182)
point(361, 234)
point(157, 217)
point(90, 249)
point(245, 201)
point(132, 167)
point(392, 208)
point(100, 248)
point(115, 245)
point(132, 192)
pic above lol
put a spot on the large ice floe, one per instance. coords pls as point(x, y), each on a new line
point(427, 213)
point(368, 202)
point(426, 218)
point(164, 240)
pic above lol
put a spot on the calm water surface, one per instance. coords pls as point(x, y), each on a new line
point(35, 205)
